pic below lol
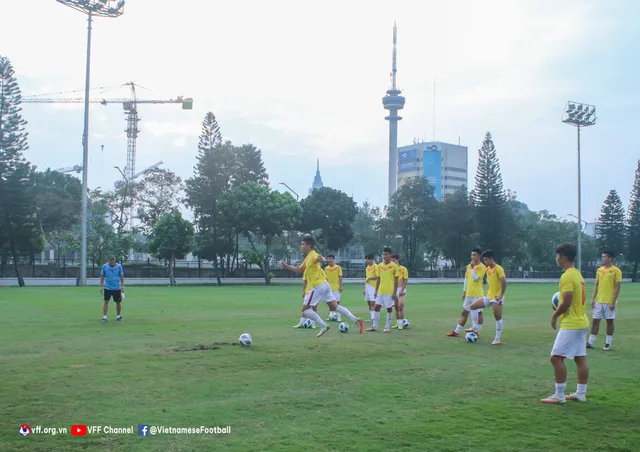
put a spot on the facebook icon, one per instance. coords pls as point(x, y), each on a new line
point(143, 430)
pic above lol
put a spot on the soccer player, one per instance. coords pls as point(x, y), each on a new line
point(571, 341)
point(471, 292)
point(334, 276)
point(605, 298)
point(372, 277)
point(403, 279)
point(112, 285)
point(495, 292)
point(306, 289)
point(320, 289)
point(386, 289)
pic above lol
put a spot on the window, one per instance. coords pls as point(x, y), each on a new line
point(455, 169)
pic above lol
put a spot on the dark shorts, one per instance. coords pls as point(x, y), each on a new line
point(116, 294)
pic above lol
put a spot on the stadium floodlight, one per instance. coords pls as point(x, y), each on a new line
point(100, 8)
point(579, 115)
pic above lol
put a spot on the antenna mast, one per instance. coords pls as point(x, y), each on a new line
point(394, 68)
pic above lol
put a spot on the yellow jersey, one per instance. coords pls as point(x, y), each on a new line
point(607, 279)
point(403, 274)
point(334, 273)
point(576, 316)
point(305, 279)
point(372, 272)
point(494, 275)
point(316, 275)
point(388, 274)
point(474, 288)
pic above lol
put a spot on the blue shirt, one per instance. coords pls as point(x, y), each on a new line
point(112, 276)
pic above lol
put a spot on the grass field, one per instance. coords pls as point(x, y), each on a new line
point(409, 390)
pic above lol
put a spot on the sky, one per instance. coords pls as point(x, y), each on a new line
point(304, 82)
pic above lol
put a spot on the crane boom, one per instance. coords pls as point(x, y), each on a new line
point(187, 103)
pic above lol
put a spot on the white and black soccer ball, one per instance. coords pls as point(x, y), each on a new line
point(405, 323)
point(308, 323)
point(344, 327)
point(246, 339)
point(555, 301)
point(333, 316)
point(471, 337)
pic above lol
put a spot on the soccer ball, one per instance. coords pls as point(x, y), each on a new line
point(333, 316)
point(344, 327)
point(471, 337)
point(246, 339)
point(308, 323)
point(405, 323)
point(555, 301)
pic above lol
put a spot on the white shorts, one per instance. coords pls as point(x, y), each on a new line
point(570, 343)
point(369, 293)
point(400, 292)
point(336, 295)
point(322, 292)
point(307, 298)
point(468, 302)
point(386, 301)
point(488, 302)
point(602, 311)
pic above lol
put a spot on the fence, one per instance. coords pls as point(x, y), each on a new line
point(64, 268)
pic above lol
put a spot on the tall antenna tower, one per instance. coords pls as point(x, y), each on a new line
point(393, 102)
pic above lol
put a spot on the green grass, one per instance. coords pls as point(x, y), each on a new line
point(410, 390)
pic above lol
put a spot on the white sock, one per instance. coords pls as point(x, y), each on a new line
point(345, 311)
point(560, 390)
point(474, 319)
point(498, 328)
point(608, 340)
point(373, 315)
point(104, 316)
point(582, 389)
point(376, 319)
point(478, 327)
point(313, 315)
point(302, 319)
point(459, 328)
point(592, 339)
point(389, 318)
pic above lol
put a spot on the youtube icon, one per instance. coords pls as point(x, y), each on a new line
point(78, 430)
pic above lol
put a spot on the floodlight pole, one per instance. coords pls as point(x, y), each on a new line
point(579, 205)
point(85, 161)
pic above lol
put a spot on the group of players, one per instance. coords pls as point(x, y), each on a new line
point(386, 283)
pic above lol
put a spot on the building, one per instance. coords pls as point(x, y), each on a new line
point(444, 165)
point(317, 180)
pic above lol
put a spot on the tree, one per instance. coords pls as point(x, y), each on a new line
point(455, 231)
point(212, 178)
point(610, 228)
point(332, 213)
point(367, 230)
point(18, 229)
point(490, 201)
point(249, 166)
point(411, 214)
point(171, 239)
point(159, 194)
point(261, 213)
point(58, 198)
point(633, 226)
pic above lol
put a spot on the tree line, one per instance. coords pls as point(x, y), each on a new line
point(238, 219)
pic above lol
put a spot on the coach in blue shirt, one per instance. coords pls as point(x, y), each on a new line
point(112, 285)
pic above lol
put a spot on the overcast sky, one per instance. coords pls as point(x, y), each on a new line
point(304, 80)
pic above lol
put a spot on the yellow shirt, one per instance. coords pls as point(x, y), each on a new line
point(308, 287)
point(372, 272)
point(607, 279)
point(576, 316)
point(474, 288)
point(388, 274)
point(315, 274)
point(333, 276)
point(494, 275)
point(403, 274)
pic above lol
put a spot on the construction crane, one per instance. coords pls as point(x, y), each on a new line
point(130, 107)
point(119, 183)
point(70, 169)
